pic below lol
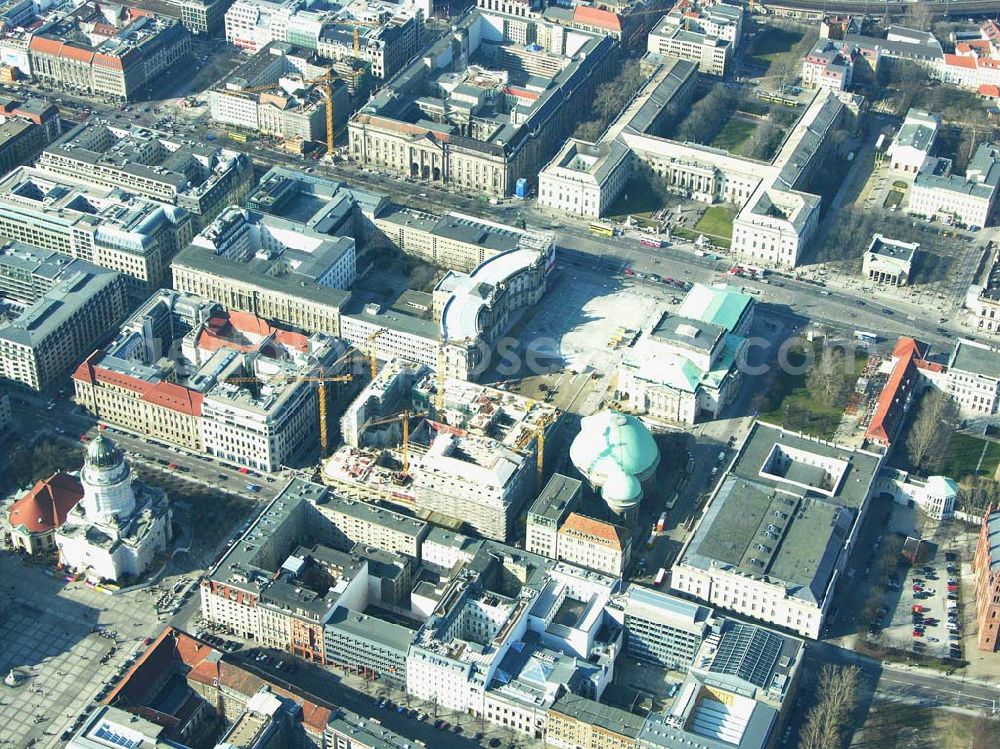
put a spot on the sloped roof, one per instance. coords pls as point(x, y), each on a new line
point(719, 305)
point(603, 533)
point(45, 506)
point(591, 16)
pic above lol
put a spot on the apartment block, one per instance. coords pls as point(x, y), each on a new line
point(983, 297)
point(200, 178)
point(120, 57)
point(370, 525)
point(986, 566)
point(59, 327)
point(106, 227)
point(220, 382)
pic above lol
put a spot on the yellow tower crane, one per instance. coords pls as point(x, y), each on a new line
point(321, 383)
point(405, 417)
point(326, 81)
point(372, 352)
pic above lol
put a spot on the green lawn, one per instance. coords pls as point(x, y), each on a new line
point(791, 405)
point(963, 456)
point(772, 43)
point(717, 224)
point(893, 199)
point(733, 134)
point(637, 199)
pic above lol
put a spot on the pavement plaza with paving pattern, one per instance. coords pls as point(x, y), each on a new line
point(48, 634)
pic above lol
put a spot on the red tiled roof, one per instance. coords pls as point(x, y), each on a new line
point(247, 322)
point(45, 45)
point(599, 531)
point(992, 91)
point(175, 397)
point(45, 506)
point(77, 52)
point(896, 391)
point(958, 61)
point(604, 19)
point(520, 93)
point(294, 340)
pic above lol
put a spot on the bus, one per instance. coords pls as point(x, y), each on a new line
point(864, 337)
point(649, 242)
point(602, 230)
point(662, 522)
point(658, 580)
point(238, 137)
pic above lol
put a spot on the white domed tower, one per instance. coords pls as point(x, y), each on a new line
point(107, 483)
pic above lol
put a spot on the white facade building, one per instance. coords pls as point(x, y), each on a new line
point(914, 141)
point(974, 378)
point(968, 200)
point(119, 525)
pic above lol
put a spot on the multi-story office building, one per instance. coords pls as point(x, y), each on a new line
point(986, 566)
point(974, 378)
point(224, 383)
point(275, 268)
point(370, 525)
point(968, 200)
point(25, 128)
point(200, 178)
point(454, 240)
point(388, 36)
point(983, 297)
point(663, 629)
point(62, 323)
point(686, 368)
point(576, 722)
point(367, 645)
point(778, 532)
point(253, 24)
point(120, 61)
point(479, 132)
point(109, 228)
point(502, 603)
point(557, 530)
point(686, 41)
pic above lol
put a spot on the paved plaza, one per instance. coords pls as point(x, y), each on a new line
point(49, 636)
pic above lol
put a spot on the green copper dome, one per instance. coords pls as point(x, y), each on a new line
point(617, 454)
point(102, 453)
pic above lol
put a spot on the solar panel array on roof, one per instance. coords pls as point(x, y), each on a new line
point(748, 652)
point(110, 736)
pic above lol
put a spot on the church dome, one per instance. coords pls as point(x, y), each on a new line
point(617, 454)
point(102, 453)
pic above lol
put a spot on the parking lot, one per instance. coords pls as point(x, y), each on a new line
point(922, 605)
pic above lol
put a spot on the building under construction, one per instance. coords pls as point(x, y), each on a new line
point(472, 454)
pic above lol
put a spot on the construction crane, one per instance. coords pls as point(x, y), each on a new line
point(372, 358)
point(439, 401)
point(405, 417)
point(326, 81)
point(321, 382)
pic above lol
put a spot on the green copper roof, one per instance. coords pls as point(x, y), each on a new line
point(612, 440)
point(719, 305)
point(942, 486)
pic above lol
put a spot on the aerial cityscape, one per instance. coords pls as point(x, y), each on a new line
point(507, 374)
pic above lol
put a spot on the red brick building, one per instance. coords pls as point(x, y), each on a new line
point(987, 569)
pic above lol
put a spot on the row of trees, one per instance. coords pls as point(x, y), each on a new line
point(28, 463)
point(828, 719)
point(609, 100)
point(931, 430)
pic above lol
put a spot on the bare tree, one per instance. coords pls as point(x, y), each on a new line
point(918, 16)
point(835, 697)
point(976, 493)
point(827, 380)
point(932, 429)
